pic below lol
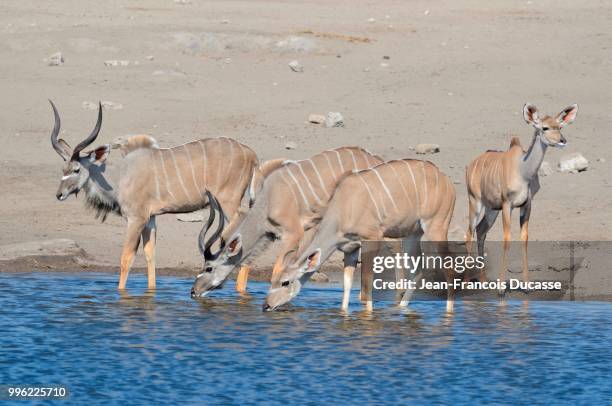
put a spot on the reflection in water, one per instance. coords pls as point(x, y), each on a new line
point(79, 331)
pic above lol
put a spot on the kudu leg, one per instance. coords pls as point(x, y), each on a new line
point(525, 213)
point(242, 279)
point(350, 263)
point(367, 273)
point(475, 211)
point(149, 235)
point(506, 217)
point(130, 246)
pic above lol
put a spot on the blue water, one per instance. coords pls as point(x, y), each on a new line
point(78, 331)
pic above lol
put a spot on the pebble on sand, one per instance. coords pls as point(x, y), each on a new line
point(319, 277)
point(296, 66)
point(427, 149)
point(106, 105)
point(194, 217)
point(573, 163)
point(316, 118)
point(290, 145)
point(334, 119)
point(56, 59)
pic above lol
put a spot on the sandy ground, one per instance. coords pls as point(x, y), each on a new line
point(456, 73)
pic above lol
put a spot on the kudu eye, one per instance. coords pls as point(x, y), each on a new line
point(545, 128)
point(285, 284)
point(208, 269)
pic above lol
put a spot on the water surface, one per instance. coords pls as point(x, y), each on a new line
point(77, 330)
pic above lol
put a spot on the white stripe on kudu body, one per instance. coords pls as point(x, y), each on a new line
point(291, 201)
point(355, 213)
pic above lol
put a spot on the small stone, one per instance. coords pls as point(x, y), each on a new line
point(316, 118)
point(573, 163)
point(602, 160)
point(545, 169)
point(182, 1)
point(115, 62)
point(56, 59)
point(194, 217)
point(290, 145)
point(426, 12)
point(225, 21)
point(334, 119)
point(371, 19)
point(319, 277)
point(106, 105)
point(149, 57)
point(427, 149)
point(384, 65)
point(296, 67)
point(387, 57)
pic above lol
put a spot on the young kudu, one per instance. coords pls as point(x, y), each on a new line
point(290, 201)
point(505, 180)
point(397, 199)
point(151, 181)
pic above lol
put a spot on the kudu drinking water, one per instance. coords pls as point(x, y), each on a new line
point(505, 180)
point(397, 199)
point(153, 181)
point(291, 199)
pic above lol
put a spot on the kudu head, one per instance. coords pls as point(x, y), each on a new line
point(76, 171)
point(549, 128)
point(217, 266)
point(296, 270)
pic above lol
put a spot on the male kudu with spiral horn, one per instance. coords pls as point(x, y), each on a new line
point(152, 181)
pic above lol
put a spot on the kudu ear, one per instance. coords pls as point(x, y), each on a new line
point(64, 146)
point(234, 246)
point(99, 155)
point(313, 261)
point(531, 115)
point(567, 115)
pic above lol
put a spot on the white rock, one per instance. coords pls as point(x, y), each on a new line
point(290, 145)
point(194, 217)
point(319, 277)
point(182, 1)
point(149, 57)
point(545, 169)
point(573, 163)
point(106, 105)
point(427, 149)
point(296, 67)
point(115, 62)
point(316, 118)
point(56, 59)
point(334, 119)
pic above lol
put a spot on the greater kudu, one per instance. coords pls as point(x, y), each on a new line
point(499, 180)
point(152, 181)
point(396, 199)
point(291, 199)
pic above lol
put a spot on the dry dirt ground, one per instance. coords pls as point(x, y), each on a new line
point(456, 73)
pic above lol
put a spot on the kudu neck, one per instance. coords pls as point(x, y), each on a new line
point(533, 158)
point(100, 193)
